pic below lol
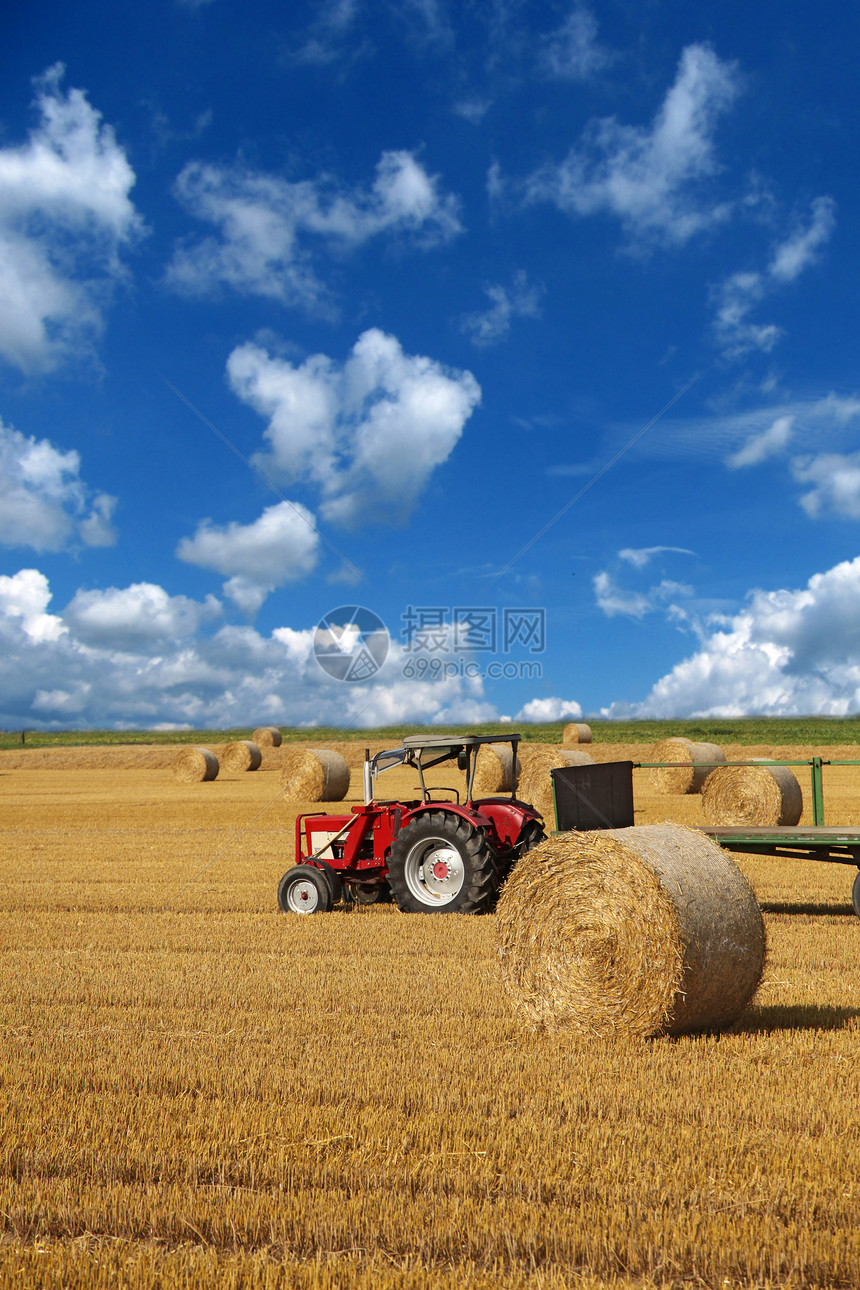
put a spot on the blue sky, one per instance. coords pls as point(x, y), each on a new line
point(341, 304)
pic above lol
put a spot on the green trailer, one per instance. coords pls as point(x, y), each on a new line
point(833, 845)
point(601, 796)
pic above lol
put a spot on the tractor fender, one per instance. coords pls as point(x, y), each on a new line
point(474, 817)
point(508, 817)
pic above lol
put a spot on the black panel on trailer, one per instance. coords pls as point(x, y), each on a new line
point(594, 797)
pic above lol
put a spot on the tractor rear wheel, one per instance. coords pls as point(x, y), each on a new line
point(532, 834)
point(440, 863)
point(305, 889)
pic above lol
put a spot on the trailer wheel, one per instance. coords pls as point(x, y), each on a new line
point(855, 894)
point(304, 890)
point(440, 863)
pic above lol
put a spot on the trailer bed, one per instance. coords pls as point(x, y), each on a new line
point(832, 844)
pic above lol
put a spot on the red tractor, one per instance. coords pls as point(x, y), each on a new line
point(432, 855)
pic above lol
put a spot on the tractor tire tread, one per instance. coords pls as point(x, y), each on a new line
point(482, 883)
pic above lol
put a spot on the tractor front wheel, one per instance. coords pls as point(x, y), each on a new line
point(440, 863)
point(305, 889)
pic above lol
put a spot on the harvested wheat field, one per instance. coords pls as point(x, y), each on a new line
point(198, 1090)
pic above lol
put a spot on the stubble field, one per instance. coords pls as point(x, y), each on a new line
point(196, 1089)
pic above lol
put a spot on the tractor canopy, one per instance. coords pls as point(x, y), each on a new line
point(424, 751)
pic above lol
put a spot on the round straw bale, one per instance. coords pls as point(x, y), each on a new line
point(752, 795)
point(494, 770)
point(574, 758)
point(242, 754)
point(535, 781)
point(195, 765)
point(314, 775)
point(683, 779)
point(267, 737)
point(646, 931)
point(576, 732)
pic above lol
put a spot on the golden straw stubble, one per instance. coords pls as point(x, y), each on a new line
point(645, 931)
point(241, 754)
point(195, 765)
point(754, 795)
point(690, 778)
point(314, 775)
point(576, 732)
point(267, 737)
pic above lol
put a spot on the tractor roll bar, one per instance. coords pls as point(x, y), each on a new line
point(444, 747)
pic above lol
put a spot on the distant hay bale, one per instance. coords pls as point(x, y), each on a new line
point(684, 779)
point(576, 732)
point(242, 754)
point(195, 765)
point(314, 775)
point(494, 770)
point(645, 931)
point(755, 795)
point(535, 782)
point(267, 737)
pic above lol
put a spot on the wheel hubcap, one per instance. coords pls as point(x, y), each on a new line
point(303, 897)
point(434, 871)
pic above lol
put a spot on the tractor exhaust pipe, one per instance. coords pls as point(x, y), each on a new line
point(368, 779)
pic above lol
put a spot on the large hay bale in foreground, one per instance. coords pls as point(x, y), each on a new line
point(689, 778)
point(494, 770)
point(314, 775)
point(195, 765)
point(576, 732)
point(267, 737)
point(241, 754)
point(755, 795)
point(649, 931)
point(535, 782)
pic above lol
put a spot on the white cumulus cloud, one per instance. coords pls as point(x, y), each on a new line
point(537, 710)
point(735, 299)
point(136, 617)
point(788, 652)
point(281, 546)
point(573, 52)
point(650, 177)
point(520, 300)
point(44, 503)
point(835, 480)
point(800, 249)
point(613, 599)
point(759, 447)
point(136, 656)
point(268, 228)
point(369, 432)
point(642, 555)
point(65, 214)
point(24, 599)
